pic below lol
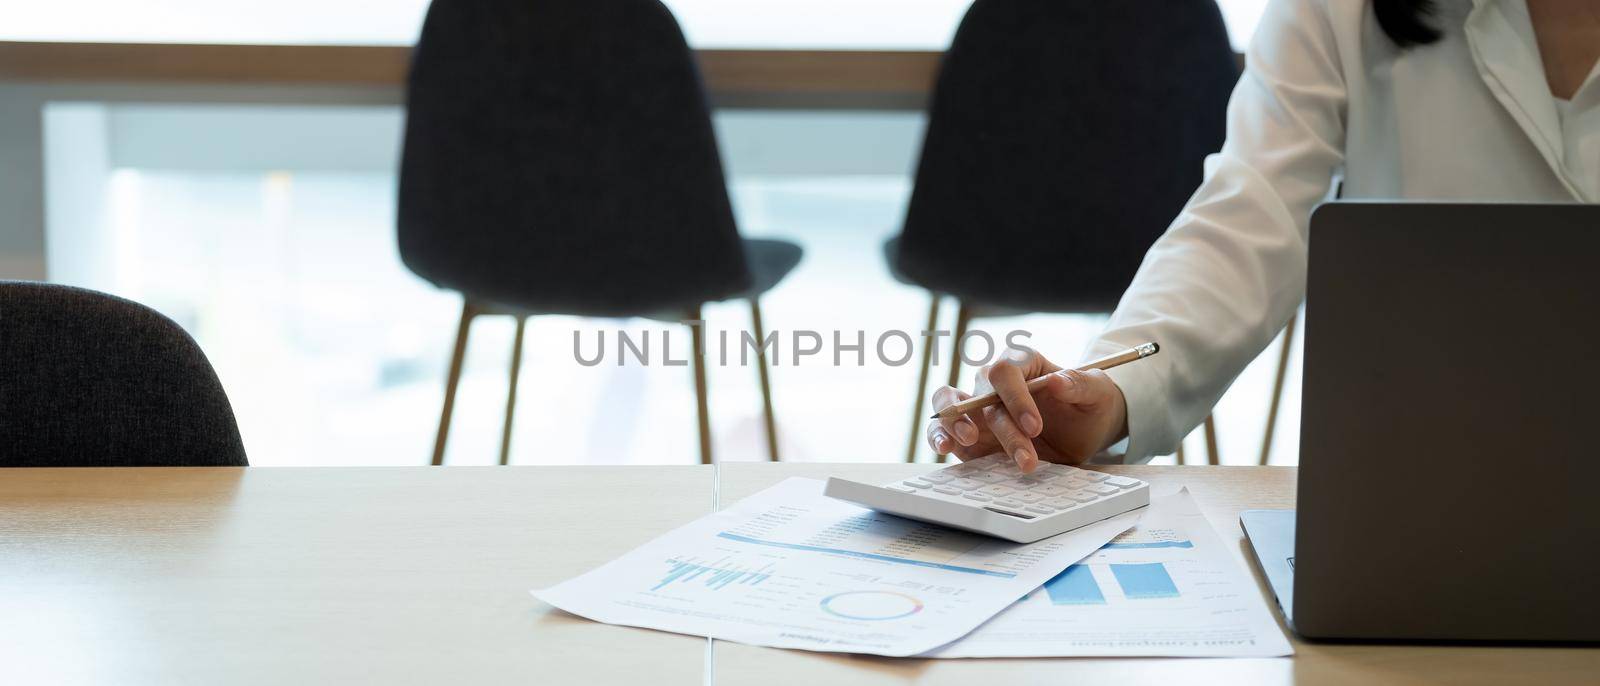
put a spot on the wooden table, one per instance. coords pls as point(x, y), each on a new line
point(420, 575)
point(328, 575)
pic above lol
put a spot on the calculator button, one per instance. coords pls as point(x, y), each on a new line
point(937, 477)
point(988, 477)
point(1087, 475)
point(1028, 497)
point(1007, 502)
point(1041, 509)
point(902, 489)
point(947, 490)
point(966, 484)
point(1061, 503)
point(1123, 482)
point(1044, 475)
point(917, 483)
point(1083, 497)
point(1026, 482)
point(964, 469)
point(976, 496)
point(1051, 490)
point(1102, 489)
point(997, 490)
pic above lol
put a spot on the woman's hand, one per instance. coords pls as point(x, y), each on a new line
point(1075, 416)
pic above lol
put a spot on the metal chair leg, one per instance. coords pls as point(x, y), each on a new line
point(1212, 449)
point(1179, 453)
point(452, 380)
point(766, 383)
point(697, 353)
point(963, 318)
point(922, 382)
point(1277, 388)
point(511, 392)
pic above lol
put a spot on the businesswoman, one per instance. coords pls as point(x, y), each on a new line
point(1484, 100)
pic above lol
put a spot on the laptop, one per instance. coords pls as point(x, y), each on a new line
point(1449, 485)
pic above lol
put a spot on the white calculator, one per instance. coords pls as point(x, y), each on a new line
point(992, 496)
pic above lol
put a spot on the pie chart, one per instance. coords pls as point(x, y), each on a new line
point(871, 606)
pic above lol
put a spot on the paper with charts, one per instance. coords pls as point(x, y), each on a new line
point(1164, 588)
point(791, 568)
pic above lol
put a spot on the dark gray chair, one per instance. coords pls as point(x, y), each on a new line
point(559, 159)
point(92, 380)
point(1063, 137)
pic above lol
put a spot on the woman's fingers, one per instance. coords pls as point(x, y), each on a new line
point(1016, 420)
point(962, 428)
point(1011, 438)
point(1009, 379)
point(1073, 387)
point(939, 439)
point(1009, 426)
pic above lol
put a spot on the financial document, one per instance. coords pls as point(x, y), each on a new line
point(1167, 587)
point(791, 568)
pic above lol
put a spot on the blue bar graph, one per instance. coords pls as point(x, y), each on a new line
point(1075, 586)
point(717, 575)
point(1145, 581)
point(1145, 546)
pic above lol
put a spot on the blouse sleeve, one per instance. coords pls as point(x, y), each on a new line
point(1228, 273)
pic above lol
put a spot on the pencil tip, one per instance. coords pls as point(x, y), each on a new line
point(935, 416)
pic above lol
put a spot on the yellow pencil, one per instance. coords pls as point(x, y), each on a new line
point(1036, 385)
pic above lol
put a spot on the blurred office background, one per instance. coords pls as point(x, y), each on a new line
point(265, 226)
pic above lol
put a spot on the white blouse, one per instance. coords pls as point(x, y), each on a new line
point(1325, 94)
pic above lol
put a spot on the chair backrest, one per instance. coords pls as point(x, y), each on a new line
point(1063, 137)
point(91, 380)
point(559, 155)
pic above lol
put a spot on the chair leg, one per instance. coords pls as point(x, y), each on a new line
point(963, 317)
point(1277, 388)
point(766, 383)
point(511, 392)
point(1179, 453)
point(1211, 442)
point(922, 383)
point(453, 379)
point(697, 353)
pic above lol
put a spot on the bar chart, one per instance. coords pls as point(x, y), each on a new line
point(1075, 586)
point(1145, 581)
point(715, 575)
point(1166, 587)
point(1081, 585)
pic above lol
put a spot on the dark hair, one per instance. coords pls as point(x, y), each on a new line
point(1403, 21)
